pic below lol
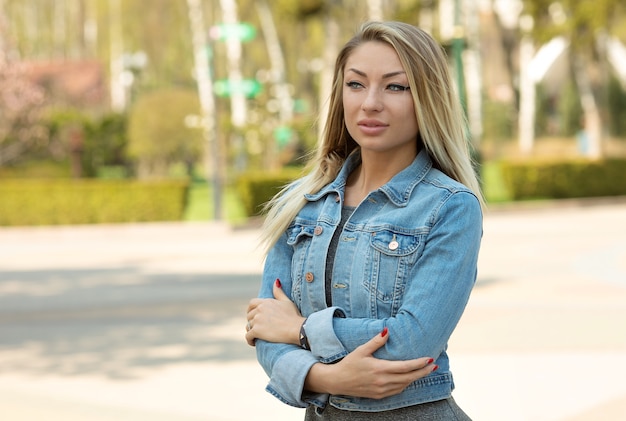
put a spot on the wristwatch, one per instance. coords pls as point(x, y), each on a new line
point(304, 341)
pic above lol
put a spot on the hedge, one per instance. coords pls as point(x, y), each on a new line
point(564, 179)
point(59, 202)
point(256, 188)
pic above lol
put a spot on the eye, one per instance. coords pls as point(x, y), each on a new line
point(398, 88)
point(354, 85)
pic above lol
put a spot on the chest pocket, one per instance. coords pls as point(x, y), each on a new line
point(392, 256)
point(394, 244)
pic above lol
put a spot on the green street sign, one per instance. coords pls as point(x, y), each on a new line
point(241, 31)
point(226, 88)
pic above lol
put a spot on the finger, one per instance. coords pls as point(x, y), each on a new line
point(369, 347)
point(412, 376)
point(409, 366)
point(254, 303)
point(250, 339)
point(279, 293)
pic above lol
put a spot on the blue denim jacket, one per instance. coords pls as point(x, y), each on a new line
point(406, 259)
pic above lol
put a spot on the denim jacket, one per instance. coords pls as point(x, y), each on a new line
point(406, 259)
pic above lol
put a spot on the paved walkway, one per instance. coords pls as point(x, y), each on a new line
point(543, 337)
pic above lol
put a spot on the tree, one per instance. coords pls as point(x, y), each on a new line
point(20, 104)
point(586, 26)
point(157, 134)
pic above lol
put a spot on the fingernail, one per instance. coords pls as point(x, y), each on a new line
point(384, 332)
point(430, 361)
point(435, 367)
point(278, 284)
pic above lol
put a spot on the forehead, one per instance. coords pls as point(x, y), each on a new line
point(374, 57)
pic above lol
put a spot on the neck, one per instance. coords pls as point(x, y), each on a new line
point(375, 171)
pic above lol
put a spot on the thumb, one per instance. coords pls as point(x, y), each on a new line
point(371, 346)
point(279, 294)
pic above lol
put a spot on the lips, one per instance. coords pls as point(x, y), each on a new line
point(371, 126)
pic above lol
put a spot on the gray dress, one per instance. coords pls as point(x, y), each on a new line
point(443, 410)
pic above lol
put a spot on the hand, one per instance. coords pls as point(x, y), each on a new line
point(274, 319)
point(360, 374)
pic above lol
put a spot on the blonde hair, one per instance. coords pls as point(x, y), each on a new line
point(441, 122)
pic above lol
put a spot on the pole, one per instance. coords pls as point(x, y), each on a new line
point(526, 121)
point(457, 52)
point(238, 105)
point(118, 93)
point(207, 101)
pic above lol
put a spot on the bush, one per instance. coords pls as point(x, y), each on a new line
point(566, 179)
point(158, 136)
point(59, 202)
point(256, 188)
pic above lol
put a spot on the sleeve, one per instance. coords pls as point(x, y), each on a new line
point(434, 301)
point(286, 365)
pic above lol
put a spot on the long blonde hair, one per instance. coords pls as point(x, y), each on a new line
point(442, 126)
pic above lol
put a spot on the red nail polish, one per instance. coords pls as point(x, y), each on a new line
point(430, 361)
point(435, 368)
point(384, 332)
point(278, 284)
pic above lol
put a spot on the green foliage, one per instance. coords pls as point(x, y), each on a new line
point(46, 202)
point(492, 183)
point(543, 111)
point(200, 206)
point(498, 120)
point(301, 9)
point(565, 179)
point(558, 118)
point(257, 188)
point(570, 110)
point(584, 19)
point(158, 136)
point(617, 108)
point(106, 142)
point(36, 169)
point(99, 141)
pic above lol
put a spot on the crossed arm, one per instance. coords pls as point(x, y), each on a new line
point(278, 320)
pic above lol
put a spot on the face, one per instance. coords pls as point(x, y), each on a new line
point(377, 102)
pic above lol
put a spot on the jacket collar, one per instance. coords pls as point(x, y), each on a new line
point(398, 189)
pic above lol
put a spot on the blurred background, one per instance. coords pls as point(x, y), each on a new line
point(222, 99)
point(138, 140)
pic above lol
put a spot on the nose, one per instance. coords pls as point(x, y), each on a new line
point(372, 101)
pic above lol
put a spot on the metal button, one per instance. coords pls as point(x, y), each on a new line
point(309, 277)
point(318, 230)
point(393, 244)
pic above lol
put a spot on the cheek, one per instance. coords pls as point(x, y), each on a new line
point(350, 107)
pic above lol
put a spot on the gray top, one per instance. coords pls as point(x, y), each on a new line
point(346, 211)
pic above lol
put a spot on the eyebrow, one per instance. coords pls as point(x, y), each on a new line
point(385, 76)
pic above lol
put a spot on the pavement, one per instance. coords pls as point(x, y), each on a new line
point(543, 337)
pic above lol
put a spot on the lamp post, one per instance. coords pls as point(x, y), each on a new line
point(207, 101)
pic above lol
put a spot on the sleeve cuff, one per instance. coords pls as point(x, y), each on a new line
point(322, 339)
point(288, 376)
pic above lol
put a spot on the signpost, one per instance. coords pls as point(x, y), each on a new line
point(241, 31)
point(250, 88)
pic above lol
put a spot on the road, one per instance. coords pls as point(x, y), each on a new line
point(138, 322)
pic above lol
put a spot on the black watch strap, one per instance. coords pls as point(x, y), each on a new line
point(304, 341)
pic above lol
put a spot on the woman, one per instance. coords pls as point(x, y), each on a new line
point(372, 255)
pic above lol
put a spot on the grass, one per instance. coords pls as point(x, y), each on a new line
point(200, 206)
point(493, 186)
